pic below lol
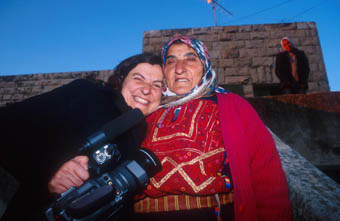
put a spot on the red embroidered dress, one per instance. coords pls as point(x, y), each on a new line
point(188, 141)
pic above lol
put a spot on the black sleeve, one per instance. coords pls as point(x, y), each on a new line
point(304, 68)
point(277, 67)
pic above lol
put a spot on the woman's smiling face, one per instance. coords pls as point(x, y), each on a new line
point(142, 87)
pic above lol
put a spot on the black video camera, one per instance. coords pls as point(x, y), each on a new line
point(103, 196)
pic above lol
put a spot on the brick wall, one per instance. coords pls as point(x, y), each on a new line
point(245, 55)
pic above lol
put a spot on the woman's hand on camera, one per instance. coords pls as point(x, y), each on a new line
point(72, 173)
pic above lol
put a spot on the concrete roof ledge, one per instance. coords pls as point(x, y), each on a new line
point(314, 196)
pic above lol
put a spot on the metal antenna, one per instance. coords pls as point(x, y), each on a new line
point(214, 3)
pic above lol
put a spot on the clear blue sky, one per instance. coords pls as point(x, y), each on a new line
point(47, 36)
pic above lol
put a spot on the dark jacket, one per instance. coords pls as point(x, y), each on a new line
point(283, 70)
point(41, 133)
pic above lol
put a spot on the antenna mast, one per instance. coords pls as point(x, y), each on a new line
point(214, 3)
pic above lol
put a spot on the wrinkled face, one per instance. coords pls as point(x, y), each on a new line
point(183, 69)
point(142, 87)
point(286, 45)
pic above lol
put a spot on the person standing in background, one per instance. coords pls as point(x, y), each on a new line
point(292, 68)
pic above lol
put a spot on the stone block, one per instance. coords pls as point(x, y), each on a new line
point(245, 28)
point(311, 33)
point(227, 62)
point(313, 58)
point(17, 97)
point(7, 90)
point(248, 90)
point(321, 67)
point(253, 75)
point(242, 36)
point(226, 36)
point(270, 52)
point(208, 38)
point(242, 62)
point(219, 44)
point(209, 45)
point(309, 41)
point(265, 74)
point(258, 28)
point(105, 74)
point(244, 71)
point(24, 90)
point(275, 78)
point(147, 48)
point(217, 29)
point(298, 33)
point(261, 61)
point(270, 73)
point(165, 39)
point(235, 44)
point(220, 77)
point(278, 34)
point(236, 79)
point(311, 50)
point(6, 84)
point(295, 40)
point(215, 63)
point(182, 32)
point(214, 54)
point(145, 41)
point(231, 71)
point(316, 87)
point(230, 53)
point(148, 34)
point(7, 97)
point(248, 52)
point(254, 43)
point(230, 29)
point(154, 40)
point(200, 31)
point(261, 74)
point(280, 26)
point(271, 43)
point(314, 67)
point(259, 35)
point(316, 76)
point(306, 25)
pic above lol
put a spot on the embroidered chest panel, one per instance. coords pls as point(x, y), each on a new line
point(188, 141)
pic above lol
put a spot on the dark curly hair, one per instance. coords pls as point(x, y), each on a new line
point(123, 68)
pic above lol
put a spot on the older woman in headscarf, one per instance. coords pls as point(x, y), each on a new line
point(219, 160)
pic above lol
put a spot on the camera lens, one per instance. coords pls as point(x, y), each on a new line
point(149, 161)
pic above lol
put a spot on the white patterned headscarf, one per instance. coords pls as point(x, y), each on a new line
point(208, 83)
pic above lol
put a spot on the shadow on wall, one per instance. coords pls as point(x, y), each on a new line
point(311, 126)
point(313, 195)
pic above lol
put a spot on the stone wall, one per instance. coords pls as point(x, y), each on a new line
point(19, 87)
point(245, 55)
point(241, 55)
